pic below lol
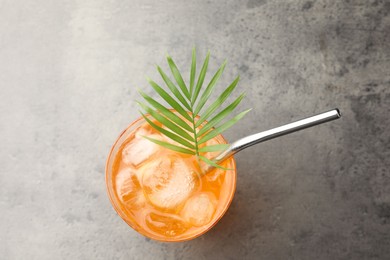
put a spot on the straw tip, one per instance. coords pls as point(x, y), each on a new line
point(338, 112)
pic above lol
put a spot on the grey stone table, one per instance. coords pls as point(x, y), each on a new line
point(69, 72)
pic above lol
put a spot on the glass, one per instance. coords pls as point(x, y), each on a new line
point(160, 193)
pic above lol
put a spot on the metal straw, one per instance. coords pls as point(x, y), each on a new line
point(276, 132)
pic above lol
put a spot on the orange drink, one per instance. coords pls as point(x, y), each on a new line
point(163, 194)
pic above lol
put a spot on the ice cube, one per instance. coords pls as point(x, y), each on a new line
point(199, 209)
point(142, 131)
point(216, 176)
point(128, 188)
point(166, 224)
point(168, 181)
point(140, 149)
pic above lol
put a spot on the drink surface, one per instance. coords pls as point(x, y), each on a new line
point(163, 194)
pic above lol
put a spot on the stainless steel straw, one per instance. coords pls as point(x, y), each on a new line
point(276, 132)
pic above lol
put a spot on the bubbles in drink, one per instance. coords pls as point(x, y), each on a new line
point(128, 188)
point(199, 209)
point(140, 149)
point(168, 181)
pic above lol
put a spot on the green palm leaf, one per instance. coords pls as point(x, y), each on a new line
point(169, 100)
point(179, 79)
point(214, 148)
point(171, 135)
point(219, 117)
point(193, 71)
point(173, 88)
point(183, 122)
point(202, 75)
point(170, 146)
point(223, 127)
point(212, 163)
point(206, 94)
point(217, 103)
point(163, 120)
point(166, 112)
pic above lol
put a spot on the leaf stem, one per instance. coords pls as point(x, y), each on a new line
point(197, 155)
point(195, 134)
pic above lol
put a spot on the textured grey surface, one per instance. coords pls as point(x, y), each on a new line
point(68, 73)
